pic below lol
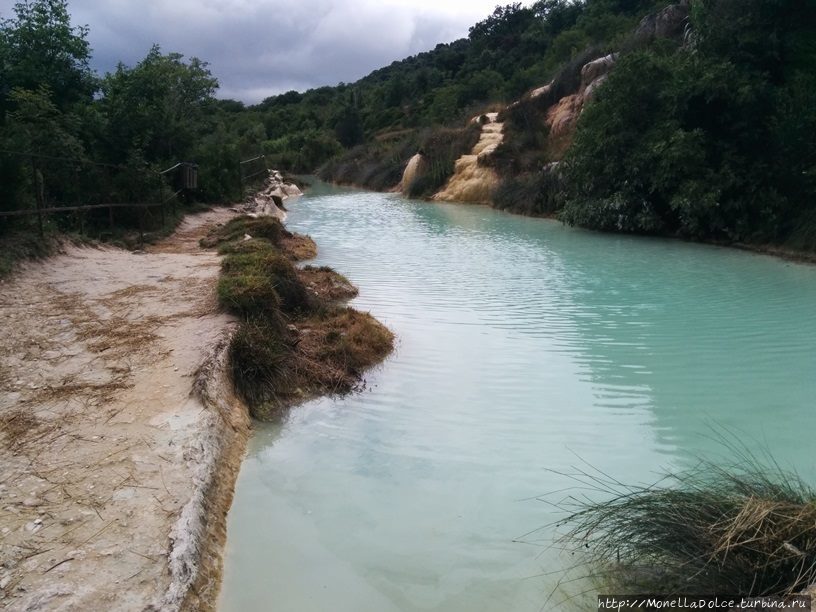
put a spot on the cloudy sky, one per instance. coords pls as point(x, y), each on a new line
point(258, 48)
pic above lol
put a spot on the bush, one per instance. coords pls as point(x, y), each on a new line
point(530, 194)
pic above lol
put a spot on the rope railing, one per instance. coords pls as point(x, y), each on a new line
point(245, 179)
point(135, 187)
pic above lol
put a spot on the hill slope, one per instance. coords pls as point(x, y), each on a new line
point(694, 122)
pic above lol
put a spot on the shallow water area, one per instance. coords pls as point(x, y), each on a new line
point(526, 351)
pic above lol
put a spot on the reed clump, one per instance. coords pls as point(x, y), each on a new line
point(745, 530)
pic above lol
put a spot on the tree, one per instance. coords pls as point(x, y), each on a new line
point(348, 127)
point(39, 47)
point(157, 106)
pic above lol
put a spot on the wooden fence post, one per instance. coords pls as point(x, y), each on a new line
point(37, 195)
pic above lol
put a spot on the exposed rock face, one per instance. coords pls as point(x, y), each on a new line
point(540, 91)
point(563, 115)
point(472, 182)
point(597, 69)
point(269, 200)
point(417, 166)
point(668, 23)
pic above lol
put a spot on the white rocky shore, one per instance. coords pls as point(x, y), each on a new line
point(120, 435)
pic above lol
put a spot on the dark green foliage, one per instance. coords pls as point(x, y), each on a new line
point(40, 49)
point(535, 194)
point(708, 144)
point(157, 105)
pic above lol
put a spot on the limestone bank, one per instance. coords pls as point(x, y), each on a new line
point(121, 434)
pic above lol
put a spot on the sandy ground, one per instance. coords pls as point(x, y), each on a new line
point(115, 419)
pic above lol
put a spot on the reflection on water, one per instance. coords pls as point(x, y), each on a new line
point(525, 349)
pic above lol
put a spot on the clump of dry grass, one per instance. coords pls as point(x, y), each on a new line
point(744, 529)
point(268, 228)
point(299, 247)
point(17, 425)
point(352, 340)
point(327, 284)
point(328, 353)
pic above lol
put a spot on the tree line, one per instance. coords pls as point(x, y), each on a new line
point(707, 137)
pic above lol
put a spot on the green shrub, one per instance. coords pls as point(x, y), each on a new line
point(530, 194)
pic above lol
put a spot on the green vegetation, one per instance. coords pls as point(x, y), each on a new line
point(703, 134)
point(293, 341)
point(745, 530)
point(700, 142)
point(379, 165)
point(20, 246)
point(407, 106)
point(69, 137)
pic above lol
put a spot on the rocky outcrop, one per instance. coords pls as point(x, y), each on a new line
point(594, 73)
point(269, 200)
point(416, 168)
point(597, 69)
point(671, 23)
point(562, 116)
point(473, 181)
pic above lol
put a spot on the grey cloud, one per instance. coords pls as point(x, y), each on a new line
point(261, 48)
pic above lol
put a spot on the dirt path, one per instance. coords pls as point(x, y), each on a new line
point(114, 418)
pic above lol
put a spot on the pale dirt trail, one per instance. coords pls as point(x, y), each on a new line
point(119, 435)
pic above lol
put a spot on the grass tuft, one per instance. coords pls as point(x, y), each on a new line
point(745, 530)
point(262, 271)
point(248, 294)
point(354, 340)
point(259, 356)
point(268, 228)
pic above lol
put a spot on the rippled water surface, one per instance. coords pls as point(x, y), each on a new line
point(525, 350)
